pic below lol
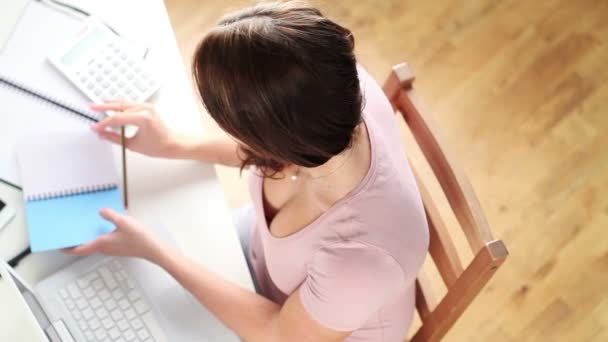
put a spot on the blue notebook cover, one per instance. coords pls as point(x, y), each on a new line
point(68, 177)
point(70, 221)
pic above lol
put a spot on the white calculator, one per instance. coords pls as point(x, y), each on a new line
point(105, 67)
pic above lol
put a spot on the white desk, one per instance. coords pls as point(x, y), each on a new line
point(184, 196)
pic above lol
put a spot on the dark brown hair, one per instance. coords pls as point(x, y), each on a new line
point(282, 79)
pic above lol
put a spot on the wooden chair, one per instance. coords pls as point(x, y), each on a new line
point(463, 284)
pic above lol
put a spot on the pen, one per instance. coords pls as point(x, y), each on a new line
point(125, 196)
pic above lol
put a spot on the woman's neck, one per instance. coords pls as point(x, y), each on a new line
point(335, 165)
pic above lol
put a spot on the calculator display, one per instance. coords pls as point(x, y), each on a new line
point(83, 47)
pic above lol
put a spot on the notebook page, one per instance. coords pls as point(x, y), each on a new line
point(65, 163)
point(23, 115)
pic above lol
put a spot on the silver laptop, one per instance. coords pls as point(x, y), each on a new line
point(101, 298)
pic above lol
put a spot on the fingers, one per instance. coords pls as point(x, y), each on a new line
point(119, 106)
point(138, 119)
point(119, 220)
point(115, 138)
point(85, 249)
point(109, 215)
point(112, 137)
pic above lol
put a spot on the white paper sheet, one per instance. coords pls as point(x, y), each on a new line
point(65, 163)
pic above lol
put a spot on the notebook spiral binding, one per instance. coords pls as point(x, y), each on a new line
point(89, 116)
point(71, 192)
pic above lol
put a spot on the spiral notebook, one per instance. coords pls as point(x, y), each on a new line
point(67, 178)
point(34, 96)
point(26, 112)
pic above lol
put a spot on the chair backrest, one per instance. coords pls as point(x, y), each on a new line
point(462, 283)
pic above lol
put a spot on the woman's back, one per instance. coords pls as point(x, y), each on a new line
point(355, 265)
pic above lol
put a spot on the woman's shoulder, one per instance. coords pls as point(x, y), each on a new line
point(367, 233)
point(344, 261)
point(348, 281)
point(377, 226)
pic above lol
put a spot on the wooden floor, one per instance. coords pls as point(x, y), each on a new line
point(520, 90)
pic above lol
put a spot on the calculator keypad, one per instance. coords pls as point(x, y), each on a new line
point(115, 74)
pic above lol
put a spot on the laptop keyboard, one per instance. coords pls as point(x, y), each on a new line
point(107, 305)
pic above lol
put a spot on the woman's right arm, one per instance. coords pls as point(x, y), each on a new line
point(223, 151)
point(155, 139)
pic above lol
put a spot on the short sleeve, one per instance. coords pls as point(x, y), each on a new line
point(348, 282)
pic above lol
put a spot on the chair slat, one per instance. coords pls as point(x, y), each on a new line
point(462, 293)
point(441, 246)
point(401, 77)
point(458, 190)
point(426, 301)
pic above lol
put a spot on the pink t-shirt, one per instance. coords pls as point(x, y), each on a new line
point(357, 263)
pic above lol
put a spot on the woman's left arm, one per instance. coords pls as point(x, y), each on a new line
point(253, 317)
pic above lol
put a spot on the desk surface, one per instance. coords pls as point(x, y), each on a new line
point(184, 196)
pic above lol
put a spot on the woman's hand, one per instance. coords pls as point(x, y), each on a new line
point(129, 239)
point(153, 138)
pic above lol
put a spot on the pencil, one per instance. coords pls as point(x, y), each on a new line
point(125, 196)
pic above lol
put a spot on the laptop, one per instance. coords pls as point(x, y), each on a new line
point(100, 298)
point(9, 16)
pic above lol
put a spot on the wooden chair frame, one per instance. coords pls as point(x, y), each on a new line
point(463, 284)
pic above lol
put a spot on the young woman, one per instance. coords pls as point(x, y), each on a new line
point(337, 231)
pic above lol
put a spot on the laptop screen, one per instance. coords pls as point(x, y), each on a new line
point(24, 306)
